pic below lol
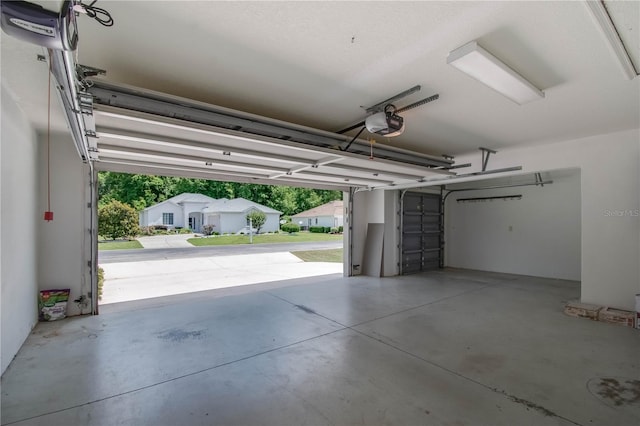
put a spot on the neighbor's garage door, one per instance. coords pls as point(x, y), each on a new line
point(421, 245)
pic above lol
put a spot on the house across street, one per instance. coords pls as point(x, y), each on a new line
point(329, 215)
point(193, 211)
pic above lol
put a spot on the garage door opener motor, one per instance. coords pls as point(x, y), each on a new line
point(34, 24)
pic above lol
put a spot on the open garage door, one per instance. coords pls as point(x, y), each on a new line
point(422, 234)
point(140, 131)
point(135, 130)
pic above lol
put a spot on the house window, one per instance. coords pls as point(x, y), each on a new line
point(167, 218)
point(316, 220)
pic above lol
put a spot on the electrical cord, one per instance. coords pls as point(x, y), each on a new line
point(97, 13)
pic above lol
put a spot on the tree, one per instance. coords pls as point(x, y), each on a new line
point(117, 220)
point(258, 219)
point(142, 191)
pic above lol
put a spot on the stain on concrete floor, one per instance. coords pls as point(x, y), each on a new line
point(615, 391)
point(179, 335)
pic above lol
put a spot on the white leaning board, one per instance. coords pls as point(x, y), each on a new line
point(373, 245)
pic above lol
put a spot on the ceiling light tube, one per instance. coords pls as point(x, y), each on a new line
point(478, 63)
point(608, 29)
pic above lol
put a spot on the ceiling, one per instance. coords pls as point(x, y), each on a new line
point(316, 63)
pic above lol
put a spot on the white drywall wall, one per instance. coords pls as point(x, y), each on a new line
point(610, 199)
point(376, 207)
point(19, 215)
point(62, 258)
point(537, 235)
point(368, 207)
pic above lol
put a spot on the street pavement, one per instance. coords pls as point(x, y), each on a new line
point(137, 255)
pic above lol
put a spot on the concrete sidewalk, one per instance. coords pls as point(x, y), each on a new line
point(155, 278)
point(166, 241)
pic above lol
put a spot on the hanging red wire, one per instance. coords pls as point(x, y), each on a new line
point(48, 215)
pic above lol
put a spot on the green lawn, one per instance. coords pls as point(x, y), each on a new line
point(225, 240)
point(332, 255)
point(119, 245)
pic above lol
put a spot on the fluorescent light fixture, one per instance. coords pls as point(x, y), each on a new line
point(608, 29)
point(472, 59)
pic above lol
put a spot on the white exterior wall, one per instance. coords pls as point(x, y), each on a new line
point(610, 200)
point(153, 216)
point(329, 221)
point(20, 216)
point(538, 235)
point(63, 255)
point(230, 223)
point(212, 219)
point(272, 224)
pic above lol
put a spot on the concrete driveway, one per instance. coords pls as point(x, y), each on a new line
point(166, 241)
point(126, 281)
point(173, 266)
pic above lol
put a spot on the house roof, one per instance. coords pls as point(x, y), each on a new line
point(185, 197)
point(237, 205)
point(332, 208)
point(191, 198)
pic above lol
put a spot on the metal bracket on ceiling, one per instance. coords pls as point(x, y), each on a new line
point(85, 71)
point(486, 153)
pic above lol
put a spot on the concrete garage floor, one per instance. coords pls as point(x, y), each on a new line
point(449, 347)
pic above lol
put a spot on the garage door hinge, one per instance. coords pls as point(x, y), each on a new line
point(88, 205)
point(89, 263)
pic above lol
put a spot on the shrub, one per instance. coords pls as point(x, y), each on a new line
point(334, 231)
point(319, 229)
point(100, 282)
point(117, 220)
point(340, 229)
point(290, 227)
point(208, 229)
point(147, 230)
point(185, 231)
